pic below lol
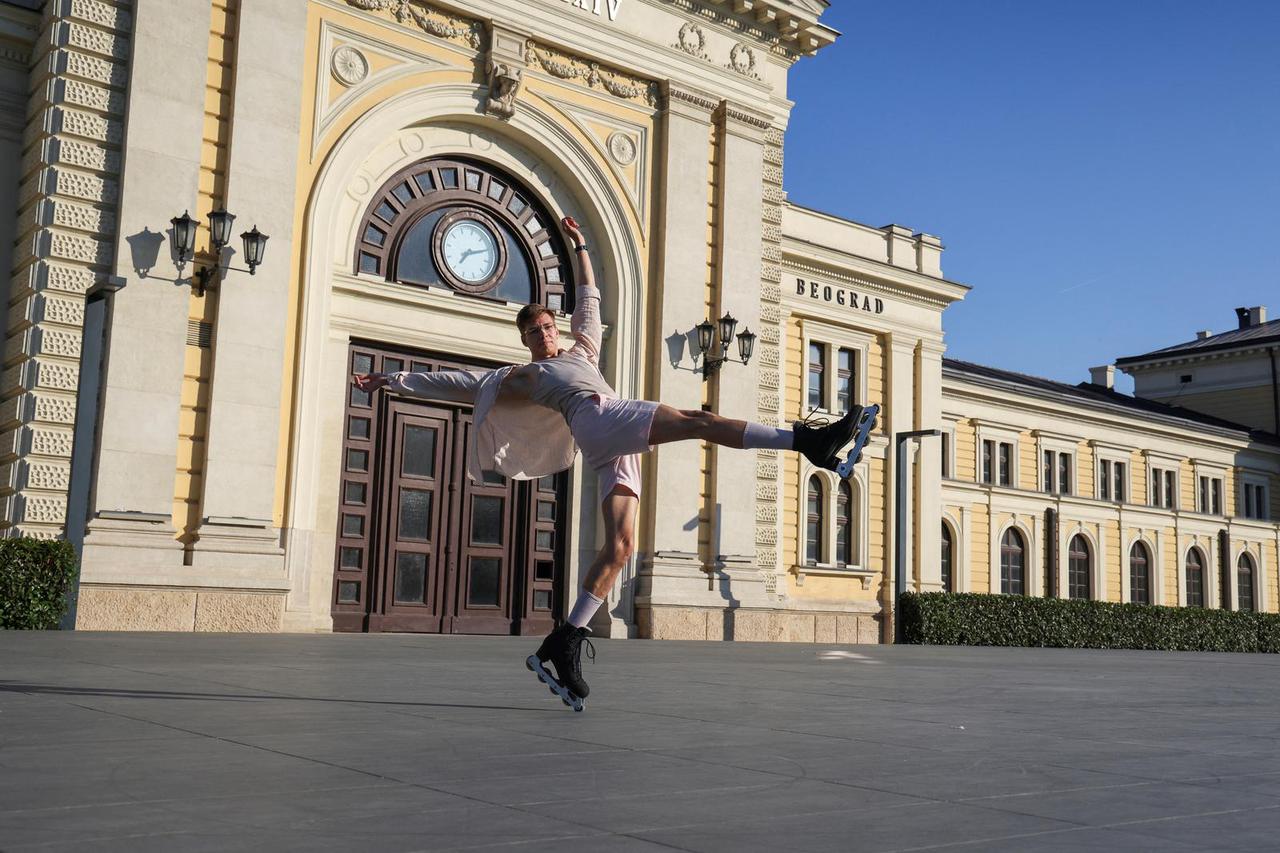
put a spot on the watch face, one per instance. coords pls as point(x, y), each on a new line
point(470, 250)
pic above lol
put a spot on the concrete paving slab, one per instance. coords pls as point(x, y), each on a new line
point(397, 742)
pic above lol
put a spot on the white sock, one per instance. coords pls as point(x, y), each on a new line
point(759, 435)
point(585, 607)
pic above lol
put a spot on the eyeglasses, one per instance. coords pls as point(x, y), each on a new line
point(540, 329)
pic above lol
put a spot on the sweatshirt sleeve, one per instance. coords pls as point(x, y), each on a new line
point(457, 386)
point(585, 324)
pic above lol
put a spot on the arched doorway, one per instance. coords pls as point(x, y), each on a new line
point(420, 546)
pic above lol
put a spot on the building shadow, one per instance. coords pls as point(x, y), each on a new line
point(190, 696)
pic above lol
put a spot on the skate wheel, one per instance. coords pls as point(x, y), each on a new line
point(554, 692)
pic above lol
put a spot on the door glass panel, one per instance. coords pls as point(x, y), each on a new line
point(351, 558)
point(352, 525)
point(415, 514)
point(486, 520)
point(546, 511)
point(392, 365)
point(542, 599)
point(493, 478)
point(547, 483)
point(419, 452)
point(348, 592)
point(543, 540)
point(360, 398)
point(353, 493)
point(359, 428)
point(482, 590)
point(362, 364)
point(411, 578)
point(544, 570)
point(357, 460)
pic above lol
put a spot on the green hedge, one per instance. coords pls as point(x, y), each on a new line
point(34, 577)
point(971, 619)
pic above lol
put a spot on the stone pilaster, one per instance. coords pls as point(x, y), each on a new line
point(768, 359)
point(740, 395)
point(670, 572)
point(65, 242)
point(237, 527)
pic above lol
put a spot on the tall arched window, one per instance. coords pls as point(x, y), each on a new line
point(947, 576)
point(844, 524)
point(1195, 578)
point(1139, 574)
point(1012, 563)
point(1244, 582)
point(1078, 569)
point(467, 226)
point(813, 522)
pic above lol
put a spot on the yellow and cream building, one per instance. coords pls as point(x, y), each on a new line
point(202, 445)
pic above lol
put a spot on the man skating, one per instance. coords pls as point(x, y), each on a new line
point(532, 419)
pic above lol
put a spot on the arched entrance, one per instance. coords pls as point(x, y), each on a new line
point(462, 322)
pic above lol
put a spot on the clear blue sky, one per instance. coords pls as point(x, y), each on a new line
point(1104, 175)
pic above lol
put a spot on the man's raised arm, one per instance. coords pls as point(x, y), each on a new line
point(585, 323)
point(457, 386)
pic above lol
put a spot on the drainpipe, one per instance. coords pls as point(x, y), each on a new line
point(1224, 563)
point(1051, 553)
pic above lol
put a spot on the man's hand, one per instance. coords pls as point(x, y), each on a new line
point(572, 231)
point(370, 381)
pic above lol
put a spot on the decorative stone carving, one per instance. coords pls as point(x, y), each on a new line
point(436, 22)
point(693, 41)
point(743, 60)
point(46, 475)
point(349, 66)
point(51, 442)
point(70, 122)
point(101, 42)
point(57, 410)
point(622, 148)
point(591, 74)
point(42, 510)
point(504, 85)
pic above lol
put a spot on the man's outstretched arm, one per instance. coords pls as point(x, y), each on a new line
point(457, 386)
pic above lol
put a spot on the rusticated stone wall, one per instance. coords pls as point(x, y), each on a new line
point(66, 228)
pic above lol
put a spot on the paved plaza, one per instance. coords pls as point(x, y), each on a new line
point(405, 742)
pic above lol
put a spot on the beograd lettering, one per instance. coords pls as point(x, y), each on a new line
point(594, 6)
point(838, 295)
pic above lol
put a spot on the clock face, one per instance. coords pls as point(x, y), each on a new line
point(470, 250)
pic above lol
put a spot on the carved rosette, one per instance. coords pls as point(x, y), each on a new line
point(349, 66)
point(591, 74)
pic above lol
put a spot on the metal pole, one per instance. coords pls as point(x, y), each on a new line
point(900, 526)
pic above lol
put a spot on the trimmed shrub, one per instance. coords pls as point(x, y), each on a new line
point(34, 577)
point(973, 619)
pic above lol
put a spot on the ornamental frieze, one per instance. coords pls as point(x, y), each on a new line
point(591, 74)
point(433, 21)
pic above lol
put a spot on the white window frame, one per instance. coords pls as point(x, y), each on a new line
point(948, 450)
point(1113, 455)
point(1163, 462)
point(830, 502)
point(998, 434)
point(833, 339)
point(1058, 444)
point(1256, 480)
point(1211, 472)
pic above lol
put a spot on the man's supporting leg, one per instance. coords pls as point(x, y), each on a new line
point(619, 511)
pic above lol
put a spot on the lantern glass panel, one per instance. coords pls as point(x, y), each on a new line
point(220, 227)
point(727, 327)
point(184, 234)
point(746, 345)
point(705, 330)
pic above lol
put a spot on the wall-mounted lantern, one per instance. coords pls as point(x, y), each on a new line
point(727, 324)
point(220, 221)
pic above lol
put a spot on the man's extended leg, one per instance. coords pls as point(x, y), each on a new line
point(819, 444)
point(563, 647)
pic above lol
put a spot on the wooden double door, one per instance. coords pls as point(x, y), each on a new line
point(421, 546)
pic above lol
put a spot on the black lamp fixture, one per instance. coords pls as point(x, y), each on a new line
point(725, 326)
point(220, 222)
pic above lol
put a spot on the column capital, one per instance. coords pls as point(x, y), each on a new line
point(688, 102)
point(743, 121)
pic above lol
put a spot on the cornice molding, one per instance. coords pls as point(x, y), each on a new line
point(429, 19)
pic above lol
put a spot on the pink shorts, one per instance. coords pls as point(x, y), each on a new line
point(612, 433)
